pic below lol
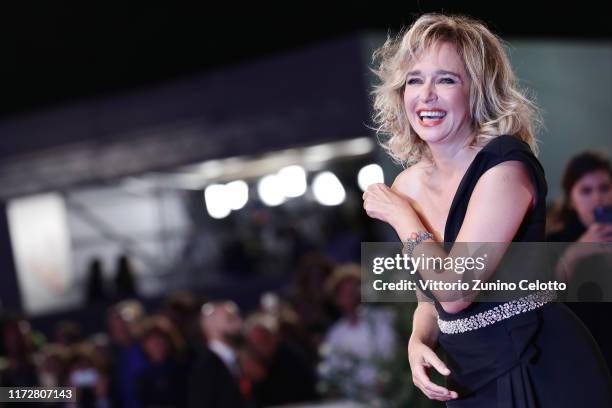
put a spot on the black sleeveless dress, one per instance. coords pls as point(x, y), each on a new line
point(542, 358)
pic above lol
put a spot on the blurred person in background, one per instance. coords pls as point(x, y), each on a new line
point(102, 355)
point(67, 333)
point(95, 287)
point(253, 370)
point(161, 383)
point(128, 358)
point(53, 366)
point(314, 309)
point(288, 376)
point(292, 330)
point(587, 185)
point(183, 310)
point(19, 369)
point(290, 327)
point(90, 383)
point(359, 345)
point(125, 279)
point(214, 380)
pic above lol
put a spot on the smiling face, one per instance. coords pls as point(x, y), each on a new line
point(437, 94)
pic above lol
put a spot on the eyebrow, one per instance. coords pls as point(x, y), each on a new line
point(438, 72)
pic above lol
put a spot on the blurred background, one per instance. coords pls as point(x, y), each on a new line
point(158, 158)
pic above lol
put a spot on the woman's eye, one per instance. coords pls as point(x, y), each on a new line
point(586, 191)
point(604, 188)
point(447, 81)
point(413, 81)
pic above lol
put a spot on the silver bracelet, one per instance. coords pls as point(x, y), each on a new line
point(414, 240)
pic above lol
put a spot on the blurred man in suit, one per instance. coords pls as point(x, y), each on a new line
point(214, 380)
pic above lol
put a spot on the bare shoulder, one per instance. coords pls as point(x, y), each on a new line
point(501, 197)
point(510, 168)
point(508, 173)
point(506, 180)
point(410, 179)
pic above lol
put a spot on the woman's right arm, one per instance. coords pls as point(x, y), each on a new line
point(422, 356)
point(425, 330)
point(424, 325)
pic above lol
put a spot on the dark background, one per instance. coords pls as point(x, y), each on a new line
point(59, 51)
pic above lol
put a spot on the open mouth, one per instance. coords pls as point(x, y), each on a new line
point(431, 117)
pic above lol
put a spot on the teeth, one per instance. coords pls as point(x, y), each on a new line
point(432, 114)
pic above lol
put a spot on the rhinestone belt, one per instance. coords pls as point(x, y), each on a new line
point(497, 313)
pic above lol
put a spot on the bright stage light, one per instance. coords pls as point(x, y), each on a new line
point(370, 174)
point(327, 189)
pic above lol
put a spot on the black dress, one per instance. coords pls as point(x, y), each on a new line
point(542, 358)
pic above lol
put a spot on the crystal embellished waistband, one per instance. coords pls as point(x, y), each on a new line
point(497, 313)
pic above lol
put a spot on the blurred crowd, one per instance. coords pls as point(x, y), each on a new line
point(313, 341)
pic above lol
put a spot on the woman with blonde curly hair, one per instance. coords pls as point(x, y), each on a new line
point(451, 112)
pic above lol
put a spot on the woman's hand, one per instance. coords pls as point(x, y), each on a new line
point(597, 233)
point(385, 204)
point(421, 358)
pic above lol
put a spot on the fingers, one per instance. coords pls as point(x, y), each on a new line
point(602, 232)
point(601, 227)
point(371, 200)
point(379, 192)
point(433, 359)
point(606, 230)
point(597, 232)
point(433, 391)
point(430, 389)
point(374, 187)
point(420, 359)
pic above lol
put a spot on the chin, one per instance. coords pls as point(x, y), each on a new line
point(430, 135)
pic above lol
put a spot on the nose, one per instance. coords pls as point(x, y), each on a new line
point(428, 93)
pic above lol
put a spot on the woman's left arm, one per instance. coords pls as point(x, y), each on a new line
point(499, 202)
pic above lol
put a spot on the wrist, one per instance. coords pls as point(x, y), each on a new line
point(415, 239)
point(413, 342)
point(406, 227)
point(403, 221)
point(416, 341)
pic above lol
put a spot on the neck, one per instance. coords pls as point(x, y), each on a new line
point(217, 339)
point(447, 154)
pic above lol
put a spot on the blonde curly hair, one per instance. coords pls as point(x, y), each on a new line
point(497, 105)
